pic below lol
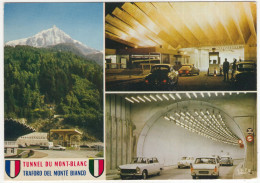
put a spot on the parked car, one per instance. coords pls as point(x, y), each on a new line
point(226, 160)
point(161, 76)
point(49, 145)
point(188, 69)
point(245, 74)
point(205, 166)
point(140, 167)
point(185, 162)
point(59, 147)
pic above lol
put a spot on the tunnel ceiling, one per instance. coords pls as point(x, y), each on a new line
point(174, 25)
point(194, 115)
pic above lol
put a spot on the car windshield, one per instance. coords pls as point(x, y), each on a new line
point(139, 160)
point(224, 158)
point(183, 158)
point(205, 161)
point(246, 67)
point(160, 68)
point(185, 67)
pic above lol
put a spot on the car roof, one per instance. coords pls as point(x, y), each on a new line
point(246, 63)
point(206, 157)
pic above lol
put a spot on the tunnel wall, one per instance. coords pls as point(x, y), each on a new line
point(118, 132)
point(234, 106)
point(169, 142)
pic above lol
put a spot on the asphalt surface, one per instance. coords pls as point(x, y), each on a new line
point(201, 82)
point(173, 173)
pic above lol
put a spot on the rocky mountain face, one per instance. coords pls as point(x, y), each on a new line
point(55, 36)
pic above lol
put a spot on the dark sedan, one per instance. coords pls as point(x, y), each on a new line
point(188, 69)
point(245, 74)
point(162, 76)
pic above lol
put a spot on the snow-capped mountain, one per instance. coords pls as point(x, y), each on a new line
point(52, 37)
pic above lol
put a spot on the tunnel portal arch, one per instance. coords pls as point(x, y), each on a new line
point(163, 139)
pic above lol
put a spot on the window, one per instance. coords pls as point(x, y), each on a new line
point(12, 150)
point(5, 150)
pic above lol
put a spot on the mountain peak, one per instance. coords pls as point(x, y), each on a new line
point(51, 37)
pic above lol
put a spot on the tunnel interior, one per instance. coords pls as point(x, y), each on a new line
point(190, 128)
point(171, 125)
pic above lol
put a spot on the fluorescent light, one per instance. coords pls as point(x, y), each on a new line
point(128, 99)
point(165, 117)
point(165, 97)
point(153, 98)
point(159, 97)
point(188, 95)
point(135, 99)
point(178, 95)
point(140, 98)
point(147, 98)
point(172, 96)
point(172, 118)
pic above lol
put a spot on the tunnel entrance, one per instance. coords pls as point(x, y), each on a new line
point(190, 128)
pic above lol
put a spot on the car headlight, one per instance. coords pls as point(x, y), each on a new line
point(137, 170)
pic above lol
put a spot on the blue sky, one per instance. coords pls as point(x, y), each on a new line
point(82, 21)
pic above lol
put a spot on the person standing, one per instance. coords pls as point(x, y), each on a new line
point(226, 69)
point(233, 69)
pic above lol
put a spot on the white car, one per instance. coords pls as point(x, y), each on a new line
point(205, 166)
point(59, 147)
point(185, 162)
point(140, 167)
point(226, 160)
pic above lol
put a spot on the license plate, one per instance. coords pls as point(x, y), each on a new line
point(204, 172)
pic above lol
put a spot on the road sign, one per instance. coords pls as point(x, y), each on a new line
point(250, 131)
point(249, 138)
point(240, 141)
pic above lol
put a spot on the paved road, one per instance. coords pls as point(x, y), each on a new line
point(186, 83)
point(173, 173)
point(226, 172)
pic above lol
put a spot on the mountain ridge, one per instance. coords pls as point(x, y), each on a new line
point(55, 36)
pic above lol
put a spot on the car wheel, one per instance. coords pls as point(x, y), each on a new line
point(194, 177)
point(144, 174)
point(159, 173)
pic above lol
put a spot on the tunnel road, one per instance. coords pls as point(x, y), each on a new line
point(226, 172)
point(201, 82)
